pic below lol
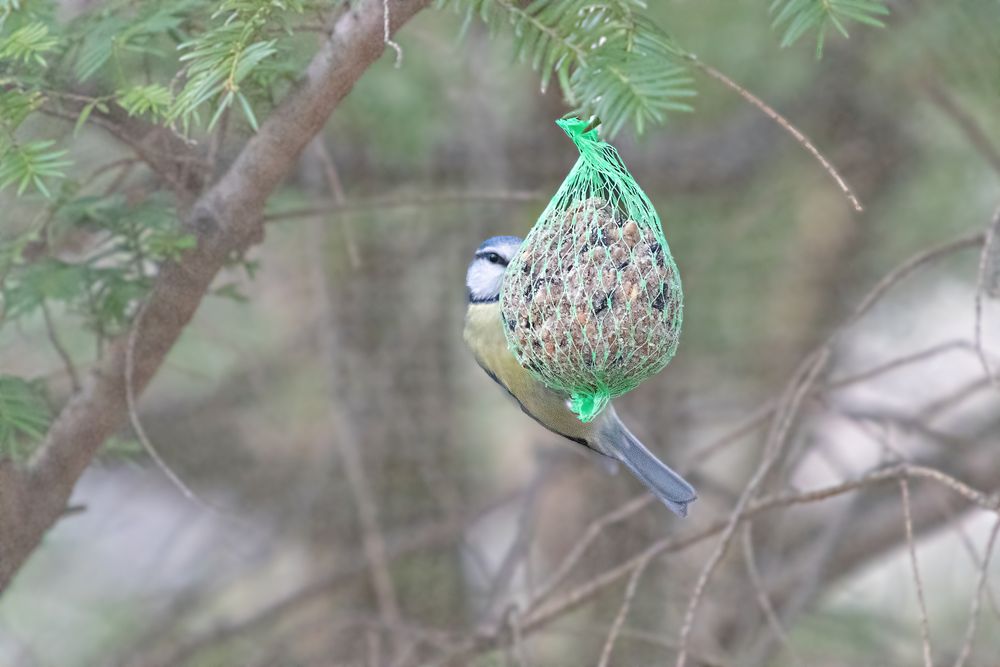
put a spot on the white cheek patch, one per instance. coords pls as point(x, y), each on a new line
point(483, 279)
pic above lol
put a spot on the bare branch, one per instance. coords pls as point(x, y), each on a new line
point(581, 594)
point(899, 362)
point(907, 268)
point(346, 432)
point(977, 599)
point(592, 532)
point(785, 124)
point(339, 199)
point(405, 201)
point(133, 415)
point(978, 139)
point(616, 626)
point(60, 349)
point(925, 631)
point(800, 385)
point(762, 598)
point(989, 240)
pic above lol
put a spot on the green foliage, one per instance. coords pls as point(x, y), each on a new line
point(127, 28)
point(27, 44)
point(797, 17)
point(218, 60)
point(610, 60)
point(15, 106)
point(154, 99)
point(17, 13)
point(24, 416)
point(633, 81)
point(25, 41)
point(30, 164)
point(104, 287)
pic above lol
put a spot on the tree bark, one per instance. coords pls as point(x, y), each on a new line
point(225, 218)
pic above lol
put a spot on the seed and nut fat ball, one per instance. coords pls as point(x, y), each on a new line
point(592, 293)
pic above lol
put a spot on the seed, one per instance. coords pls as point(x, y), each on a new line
point(619, 254)
point(631, 291)
point(630, 233)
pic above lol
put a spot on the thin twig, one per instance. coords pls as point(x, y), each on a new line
point(899, 362)
point(934, 409)
point(133, 414)
point(387, 34)
point(991, 279)
point(346, 436)
point(974, 496)
point(970, 630)
point(60, 349)
point(215, 146)
point(517, 640)
point(591, 533)
point(521, 544)
point(908, 267)
point(405, 201)
point(801, 384)
point(978, 139)
point(587, 591)
point(890, 280)
point(974, 556)
point(748, 425)
point(797, 134)
point(989, 239)
point(762, 598)
point(616, 626)
point(651, 638)
point(925, 630)
point(339, 198)
point(137, 146)
point(105, 168)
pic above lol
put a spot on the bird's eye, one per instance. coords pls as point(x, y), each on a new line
point(493, 258)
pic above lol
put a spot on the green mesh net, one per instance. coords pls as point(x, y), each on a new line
point(592, 303)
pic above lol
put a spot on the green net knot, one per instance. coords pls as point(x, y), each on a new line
point(576, 129)
point(587, 405)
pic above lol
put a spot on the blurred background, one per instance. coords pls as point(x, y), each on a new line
point(369, 497)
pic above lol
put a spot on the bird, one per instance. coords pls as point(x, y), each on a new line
point(606, 435)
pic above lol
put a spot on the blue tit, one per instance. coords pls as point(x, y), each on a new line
point(606, 435)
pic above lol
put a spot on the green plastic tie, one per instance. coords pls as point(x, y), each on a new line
point(588, 405)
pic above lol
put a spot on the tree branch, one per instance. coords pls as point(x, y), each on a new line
point(226, 218)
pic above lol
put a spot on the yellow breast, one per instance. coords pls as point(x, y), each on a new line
point(485, 337)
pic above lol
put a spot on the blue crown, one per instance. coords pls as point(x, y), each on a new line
point(499, 241)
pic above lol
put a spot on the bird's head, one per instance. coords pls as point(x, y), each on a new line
point(485, 274)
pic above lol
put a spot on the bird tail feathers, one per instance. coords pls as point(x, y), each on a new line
point(672, 489)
